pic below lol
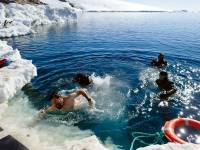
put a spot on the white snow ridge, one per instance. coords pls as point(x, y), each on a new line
point(112, 5)
point(26, 16)
point(14, 76)
point(172, 146)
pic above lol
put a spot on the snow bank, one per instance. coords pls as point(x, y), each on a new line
point(90, 143)
point(57, 4)
point(171, 146)
point(15, 30)
point(16, 75)
point(112, 5)
point(25, 17)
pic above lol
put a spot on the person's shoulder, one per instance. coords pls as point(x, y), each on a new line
point(154, 61)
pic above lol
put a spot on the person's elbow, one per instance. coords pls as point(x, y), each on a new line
point(174, 90)
point(80, 92)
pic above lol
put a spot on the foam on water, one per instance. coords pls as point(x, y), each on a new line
point(17, 115)
point(107, 95)
point(108, 100)
point(186, 88)
point(17, 119)
point(57, 131)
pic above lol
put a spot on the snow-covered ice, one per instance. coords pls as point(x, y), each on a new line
point(25, 17)
point(18, 29)
point(16, 75)
point(13, 78)
point(89, 143)
point(112, 5)
point(172, 146)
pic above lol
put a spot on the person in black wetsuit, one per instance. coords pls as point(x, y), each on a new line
point(167, 87)
point(160, 62)
point(82, 79)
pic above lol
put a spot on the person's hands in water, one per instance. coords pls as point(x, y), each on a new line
point(163, 94)
point(41, 114)
point(90, 102)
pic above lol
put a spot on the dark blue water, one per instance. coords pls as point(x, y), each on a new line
point(118, 48)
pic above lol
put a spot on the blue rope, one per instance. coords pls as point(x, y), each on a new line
point(139, 136)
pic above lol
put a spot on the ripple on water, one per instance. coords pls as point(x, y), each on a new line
point(117, 47)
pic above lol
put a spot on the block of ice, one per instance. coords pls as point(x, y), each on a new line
point(22, 18)
point(16, 75)
point(112, 5)
point(171, 146)
point(90, 143)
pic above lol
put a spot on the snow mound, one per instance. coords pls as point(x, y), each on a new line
point(171, 146)
point(25, 17)
point(15, 30)
point(112, 5)
point(16, 75)
point(90, 143)
point(56, 4)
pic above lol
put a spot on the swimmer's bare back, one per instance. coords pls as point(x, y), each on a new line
point(70, 102)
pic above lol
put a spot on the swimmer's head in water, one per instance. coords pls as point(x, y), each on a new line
point(161, 56)
point(163, 75)
point(55, 95)
point(82, 79)
point(57, 100)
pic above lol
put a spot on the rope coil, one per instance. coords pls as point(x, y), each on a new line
point(139, 136)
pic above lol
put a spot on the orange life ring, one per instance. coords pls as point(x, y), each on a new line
point(170, 126)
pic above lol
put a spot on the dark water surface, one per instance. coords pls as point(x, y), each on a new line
point(118, 48)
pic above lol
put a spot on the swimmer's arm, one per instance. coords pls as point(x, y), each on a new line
point(153, 62)
point(172, 91)
point(43, 112)
point(83, 93)
point(158, 82)
point(164, 93)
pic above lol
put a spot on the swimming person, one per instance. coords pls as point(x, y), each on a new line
point(82, 79)
point(66, 103)
point(167, 87)
point(160, 62)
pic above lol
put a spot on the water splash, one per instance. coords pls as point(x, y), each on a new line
point(19, 114)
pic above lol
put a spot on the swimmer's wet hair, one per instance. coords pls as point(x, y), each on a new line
point(161, 54)
point(82, 79)
point(81, 75)
point(163, 73)
point(54, 94)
